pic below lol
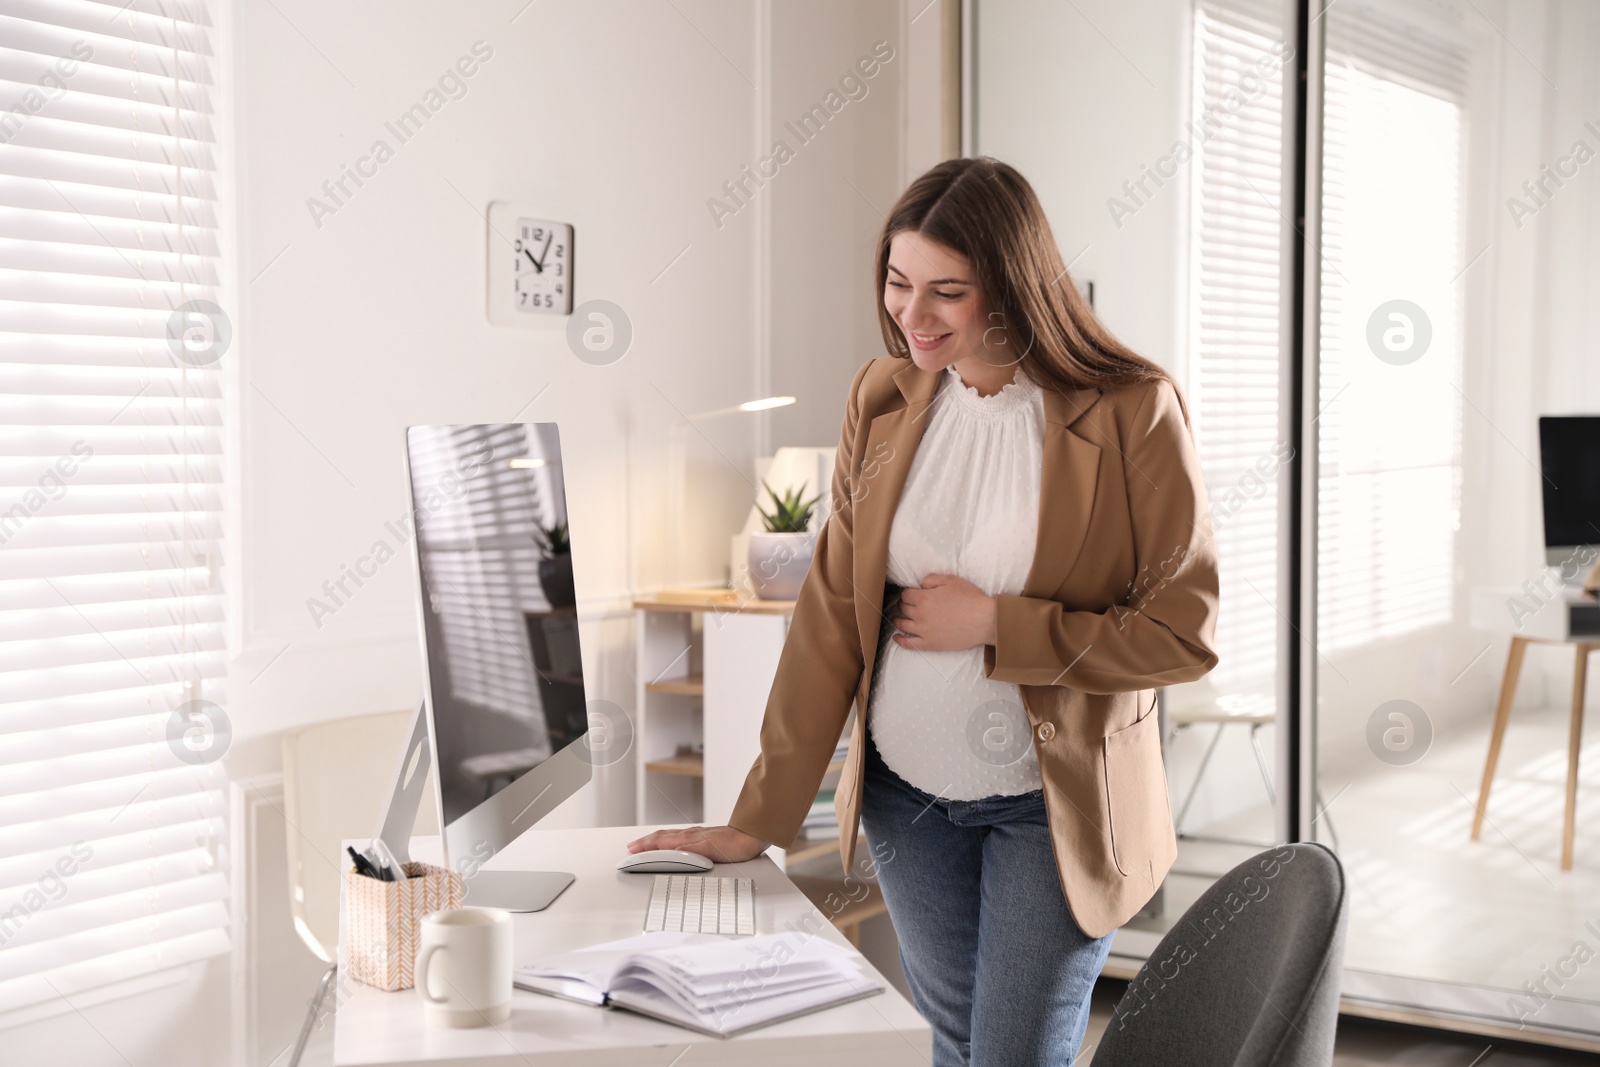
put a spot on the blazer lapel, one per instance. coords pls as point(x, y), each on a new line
point(892, 441)
point(1071, 471)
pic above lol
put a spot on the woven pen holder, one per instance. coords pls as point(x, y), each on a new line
point(382, 921)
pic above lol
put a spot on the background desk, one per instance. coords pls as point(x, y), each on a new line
point(1566, 616)
point(374, 1027)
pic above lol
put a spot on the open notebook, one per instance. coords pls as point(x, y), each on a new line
point(713, 984)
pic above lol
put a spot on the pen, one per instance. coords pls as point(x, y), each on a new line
point(382, 860)
point(363, 866)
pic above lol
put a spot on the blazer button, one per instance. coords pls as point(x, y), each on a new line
point(1047, 730)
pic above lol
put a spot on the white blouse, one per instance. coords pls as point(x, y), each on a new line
point(970, 507)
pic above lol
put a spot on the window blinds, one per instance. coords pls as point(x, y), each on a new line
point(1390, 432)
point(1236, 363)
point(112, 815)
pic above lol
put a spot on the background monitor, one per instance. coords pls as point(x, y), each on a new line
point(1569, 458)
point(506, 712)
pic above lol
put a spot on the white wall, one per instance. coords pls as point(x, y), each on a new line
point(1540, 293)
point(1079, 97)
point(827, 206)
point(178, 1020)
point(623, 118)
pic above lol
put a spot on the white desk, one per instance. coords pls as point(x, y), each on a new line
point(374, 1027)
point(1560, 615)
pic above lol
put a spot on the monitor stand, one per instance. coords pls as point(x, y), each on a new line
point(516, 890)
point(510, 890)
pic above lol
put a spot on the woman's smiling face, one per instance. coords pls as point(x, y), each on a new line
point(933, 297)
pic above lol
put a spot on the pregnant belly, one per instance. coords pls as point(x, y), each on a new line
point(947, 729)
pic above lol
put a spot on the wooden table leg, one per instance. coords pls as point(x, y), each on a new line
point(1502, 715)
point(1580, 671)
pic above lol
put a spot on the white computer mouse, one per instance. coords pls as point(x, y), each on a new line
point(665, 861)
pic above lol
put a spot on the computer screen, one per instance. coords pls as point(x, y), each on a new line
point(1569, 453)
point(499, 620)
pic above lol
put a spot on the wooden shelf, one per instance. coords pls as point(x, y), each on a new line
point(809, 848)
point(711, 599)
point(688, 766)
point(705, 663)
point(693, 685)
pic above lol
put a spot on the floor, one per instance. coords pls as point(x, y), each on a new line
point(1426, 902)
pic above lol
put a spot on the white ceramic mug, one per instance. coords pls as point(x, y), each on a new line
point(464, 967)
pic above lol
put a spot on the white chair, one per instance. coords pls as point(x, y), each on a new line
point(1198, 703)
point(336, 778)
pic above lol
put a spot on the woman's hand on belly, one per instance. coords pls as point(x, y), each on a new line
point(948, 614)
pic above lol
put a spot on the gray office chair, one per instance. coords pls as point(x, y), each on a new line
point(1249, 976)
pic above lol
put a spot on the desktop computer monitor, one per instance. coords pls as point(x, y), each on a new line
point(507, 720)
point(1569, 455)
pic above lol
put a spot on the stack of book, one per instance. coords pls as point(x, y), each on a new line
point(821, 821)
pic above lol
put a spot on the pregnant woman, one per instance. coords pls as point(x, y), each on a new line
point(1018, 555)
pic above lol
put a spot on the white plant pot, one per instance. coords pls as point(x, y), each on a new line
point(778, 563)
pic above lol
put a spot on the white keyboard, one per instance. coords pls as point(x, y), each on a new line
point(702, 904)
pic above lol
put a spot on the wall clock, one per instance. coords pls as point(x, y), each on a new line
point(530, 274)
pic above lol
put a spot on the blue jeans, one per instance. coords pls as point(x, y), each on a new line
point(994, 959)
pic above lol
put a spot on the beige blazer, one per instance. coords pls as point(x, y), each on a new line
point(1121, 599)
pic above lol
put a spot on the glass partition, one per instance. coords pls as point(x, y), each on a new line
point(1455, 262)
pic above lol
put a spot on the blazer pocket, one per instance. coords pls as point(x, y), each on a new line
point(1136, 797)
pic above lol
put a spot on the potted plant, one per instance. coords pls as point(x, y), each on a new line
point(555, 569)
point(780, 556)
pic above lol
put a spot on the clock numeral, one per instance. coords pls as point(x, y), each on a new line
point(539, 276)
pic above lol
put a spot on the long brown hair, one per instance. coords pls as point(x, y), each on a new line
point(986, 211)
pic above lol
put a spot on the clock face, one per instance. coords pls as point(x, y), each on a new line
point(541, 282)
point(529, 267)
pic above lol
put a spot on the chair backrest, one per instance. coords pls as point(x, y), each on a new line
point(1248, 976)
point(336, 778)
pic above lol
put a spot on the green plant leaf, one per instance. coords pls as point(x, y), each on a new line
point(554, 540)
point(789, 514)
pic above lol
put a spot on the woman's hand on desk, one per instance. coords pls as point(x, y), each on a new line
point(948, 614)
point(719, 844)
